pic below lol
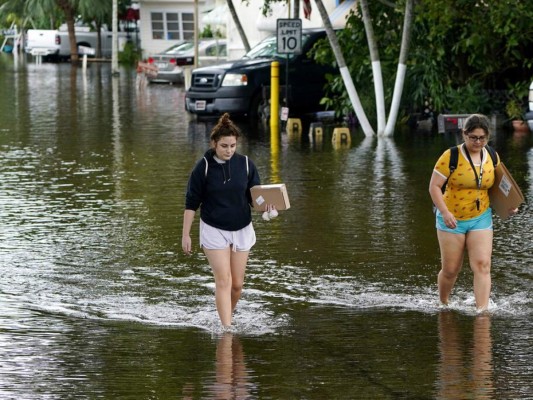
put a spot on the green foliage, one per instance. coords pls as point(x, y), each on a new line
point(130, 55)
point(209, 33)
point(46, 14)
point(354, 47)
point(515, 105)
point(465, 48)
point(464, 55)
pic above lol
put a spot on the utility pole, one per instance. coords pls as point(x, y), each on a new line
point(196, 27)
point(114, 44)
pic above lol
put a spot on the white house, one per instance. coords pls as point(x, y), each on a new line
point(166, 22)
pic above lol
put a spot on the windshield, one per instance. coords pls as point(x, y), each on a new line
point(180, 48)
point(268, 49)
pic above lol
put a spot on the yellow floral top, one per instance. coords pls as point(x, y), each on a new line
point(462, 189)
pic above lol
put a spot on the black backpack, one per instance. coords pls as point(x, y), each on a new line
point(454, 159)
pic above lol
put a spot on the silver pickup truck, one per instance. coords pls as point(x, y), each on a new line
point(55, 44)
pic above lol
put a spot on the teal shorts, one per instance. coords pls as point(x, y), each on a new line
point(479, 223)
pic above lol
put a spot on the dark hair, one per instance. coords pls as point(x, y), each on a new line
point(476, 121)
point(224, 127)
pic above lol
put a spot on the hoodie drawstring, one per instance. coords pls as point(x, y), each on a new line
point(224, 171)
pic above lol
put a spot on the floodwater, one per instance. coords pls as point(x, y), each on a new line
point(98, 302)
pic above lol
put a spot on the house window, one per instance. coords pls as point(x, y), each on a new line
point(172, 25)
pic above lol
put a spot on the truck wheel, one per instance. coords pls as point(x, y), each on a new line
point(257, 108)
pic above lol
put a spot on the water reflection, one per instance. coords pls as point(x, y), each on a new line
point(466, 367)
point(380, 194)
point(530, 174)
point(116, 136)
point(231, 376)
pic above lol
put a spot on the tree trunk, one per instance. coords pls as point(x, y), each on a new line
point(238, 25)
point(376, 67)
point(346, 77)
point(402, 66)
point(98, 40)
point(69, 12)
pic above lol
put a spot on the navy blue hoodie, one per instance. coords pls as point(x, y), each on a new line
point(224, 193)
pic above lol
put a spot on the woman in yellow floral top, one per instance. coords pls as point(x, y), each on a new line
point(463, 215)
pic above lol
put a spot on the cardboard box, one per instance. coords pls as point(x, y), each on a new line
point(275, 194)
point(505, 193)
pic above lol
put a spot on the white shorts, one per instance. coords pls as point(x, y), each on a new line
point(217, 239)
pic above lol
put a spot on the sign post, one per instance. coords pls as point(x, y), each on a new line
point(289, 41)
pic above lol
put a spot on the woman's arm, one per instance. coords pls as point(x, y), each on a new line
point(186, 243)
point(435, 191)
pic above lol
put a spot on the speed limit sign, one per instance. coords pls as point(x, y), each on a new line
point(289, 36)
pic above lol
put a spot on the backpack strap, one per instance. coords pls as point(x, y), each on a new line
point(493, 155)
point(454, 158)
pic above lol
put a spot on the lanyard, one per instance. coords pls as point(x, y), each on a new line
point(479, 178)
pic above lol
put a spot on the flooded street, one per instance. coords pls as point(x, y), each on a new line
point(97, 301)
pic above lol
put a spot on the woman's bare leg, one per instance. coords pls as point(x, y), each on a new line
point(479, 246)
point(238, 269)
point(228, 269)
point(220, 262)
point(452, 248)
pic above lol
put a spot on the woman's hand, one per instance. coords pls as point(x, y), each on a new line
point(270, 212)
point(186, 244)
point(188, 217)
point(449, 219)
point(512, 211)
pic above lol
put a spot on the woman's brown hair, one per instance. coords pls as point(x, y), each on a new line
point(476, 121)
point(224, 127)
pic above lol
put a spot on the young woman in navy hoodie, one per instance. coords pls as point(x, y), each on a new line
point(220, 186)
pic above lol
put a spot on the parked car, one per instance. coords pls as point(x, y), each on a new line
point(170, 62)
point(238, 87)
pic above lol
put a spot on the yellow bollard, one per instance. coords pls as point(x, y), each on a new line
point(294, 126)
point(274, 98)
point(341, 137)
point(316, 132)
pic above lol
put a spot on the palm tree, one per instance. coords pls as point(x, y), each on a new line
point(402, 67)
point(237, 22)
point(69, 10)
point(345, 73)
point(97, 10)
point(384, 127)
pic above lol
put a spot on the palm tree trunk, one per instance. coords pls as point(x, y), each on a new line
point(345, 73)
point(376, 66)
point(400, 75)
point(98, 39)
point(238, 25)
point(69, 12)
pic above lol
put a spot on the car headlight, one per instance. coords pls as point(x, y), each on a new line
point(235, 80)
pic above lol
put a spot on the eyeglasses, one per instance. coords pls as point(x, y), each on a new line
point(479, 139)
